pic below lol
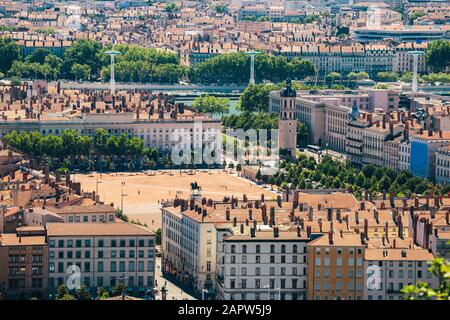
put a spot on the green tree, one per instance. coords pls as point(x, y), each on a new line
point(342, 31)
point(46, 70)
point(9, 52)
point(387, 76)
point(221, 8)
point(415, 15)
point(39, 55)
point(81, 71)
point(300, 69)
point(333, 76)
point(118, 289)
point(437, 54)
point(83, 52)
point(62, 293)
point(171, 7)
point(82, 294)
point(103, 294)
point(407, 77)
point(440, 268)
point(211, 104)
point(303, 134)
point(255, 97)
point(360, 179)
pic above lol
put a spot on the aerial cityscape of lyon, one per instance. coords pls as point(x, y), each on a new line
point(252, 153)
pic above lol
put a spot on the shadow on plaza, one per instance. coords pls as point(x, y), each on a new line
point(181, 285)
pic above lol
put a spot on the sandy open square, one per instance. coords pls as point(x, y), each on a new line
point(144, 191)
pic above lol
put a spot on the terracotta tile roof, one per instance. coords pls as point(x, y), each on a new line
point(96, 229)
point(346, 240)
point(82, 209)
point(398, 254)
point(11, 239)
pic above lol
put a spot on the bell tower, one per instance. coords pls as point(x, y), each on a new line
point(287, 124)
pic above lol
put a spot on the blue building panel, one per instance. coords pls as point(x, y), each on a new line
point(419, 159)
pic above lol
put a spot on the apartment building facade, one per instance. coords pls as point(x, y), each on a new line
point(101, 255)
point(85, 213)
point(265, 265)
point(161, 134)
point(424, 147)
point(335, 267)
point(24, 261)
point(343, 59)
point(388, 271)
point(442, 173)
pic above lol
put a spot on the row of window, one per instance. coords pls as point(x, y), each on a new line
point(100, 254)
point(101, 243)
point(283, 284)
point(243, 249)
point(93, 218)
point(272, 271)
point(113, 266)
point(326, 286)
point(272, 259)
point(339, 261)
point(110, 283)
point(272, 296)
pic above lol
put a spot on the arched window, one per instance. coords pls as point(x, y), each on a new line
point(258, 248)
point(233, 249)
point(294, 248)
point(272, 248)
point(283, 248)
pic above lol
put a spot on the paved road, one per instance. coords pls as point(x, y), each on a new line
point(174, 292)
point(153, 87)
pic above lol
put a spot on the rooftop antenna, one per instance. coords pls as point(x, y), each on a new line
point(112, 82)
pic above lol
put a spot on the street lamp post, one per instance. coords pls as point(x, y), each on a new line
point(203, 293)
point(252, 55)
point(415, 55)
point(96, 189)
point(112, 80)
point(121, 197)
point(122, 281)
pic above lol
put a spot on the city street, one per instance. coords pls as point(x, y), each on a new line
point(173, 291)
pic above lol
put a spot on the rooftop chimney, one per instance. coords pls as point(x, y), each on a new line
point(338, 215)
point(308, 231)
point(310, 213)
